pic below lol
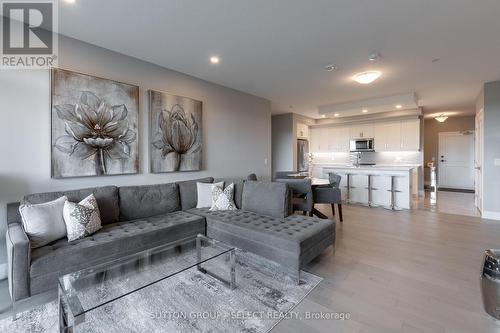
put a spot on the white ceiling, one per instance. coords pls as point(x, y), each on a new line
point(277, 48)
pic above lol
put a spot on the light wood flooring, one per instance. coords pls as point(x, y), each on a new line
point(449, 202)
point(405, 271)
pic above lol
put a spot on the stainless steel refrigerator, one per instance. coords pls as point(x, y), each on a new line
point(302, 155)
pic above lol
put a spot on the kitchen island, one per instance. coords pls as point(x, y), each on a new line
point(356, 181)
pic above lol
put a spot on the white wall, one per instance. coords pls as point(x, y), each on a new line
point(236, 126)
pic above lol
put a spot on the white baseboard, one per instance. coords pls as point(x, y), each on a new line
point(3, 271)
point(490, 215)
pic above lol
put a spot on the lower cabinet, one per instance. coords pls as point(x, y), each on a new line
point(380, 183)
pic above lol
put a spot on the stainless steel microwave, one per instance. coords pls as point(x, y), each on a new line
point(356, 145)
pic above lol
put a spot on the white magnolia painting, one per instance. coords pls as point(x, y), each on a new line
point(94, 125)
point(176, 133)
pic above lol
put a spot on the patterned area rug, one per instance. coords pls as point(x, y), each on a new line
point(190, 302)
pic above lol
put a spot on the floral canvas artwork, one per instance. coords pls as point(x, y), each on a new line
point(176, 133)
point(94, 125)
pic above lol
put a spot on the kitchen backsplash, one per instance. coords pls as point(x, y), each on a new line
point(391, 158)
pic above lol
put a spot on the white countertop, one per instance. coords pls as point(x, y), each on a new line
point(382, 167)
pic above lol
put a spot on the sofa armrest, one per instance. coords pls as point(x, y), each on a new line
point(18, 259)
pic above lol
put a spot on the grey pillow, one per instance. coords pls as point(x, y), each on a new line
point(44, 222)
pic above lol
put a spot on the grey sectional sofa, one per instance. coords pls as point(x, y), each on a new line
point(136, 218)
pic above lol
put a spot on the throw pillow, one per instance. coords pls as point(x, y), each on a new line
point(43, 223)
point(82, 219)
point(205, 194)
point(222, 199)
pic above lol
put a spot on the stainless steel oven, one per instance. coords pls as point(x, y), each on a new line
point(356, 145)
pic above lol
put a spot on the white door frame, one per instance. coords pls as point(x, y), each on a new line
point(478, 160)
point(441, 135)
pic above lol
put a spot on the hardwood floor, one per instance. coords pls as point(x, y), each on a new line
point(405, 271)
point(449, 202)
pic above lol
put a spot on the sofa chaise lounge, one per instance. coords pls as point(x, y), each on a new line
point(136, 218)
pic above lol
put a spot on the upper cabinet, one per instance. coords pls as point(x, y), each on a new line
point(338, 139)
point(389, 136)
point(319, 140)
point(410, 134)
point(302, 131)
point(361, 131)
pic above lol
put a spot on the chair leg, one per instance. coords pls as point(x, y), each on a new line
point(304, 213)
point(333, 209)
point(311, 214)
point(340, 212)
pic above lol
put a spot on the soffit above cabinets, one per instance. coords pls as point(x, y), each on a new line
point(370, 106)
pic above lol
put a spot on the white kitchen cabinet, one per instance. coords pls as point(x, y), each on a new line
point(361, 131)
point(405, 183)
point(387, 136)
point(302, 131)
point(380, 194)
point(358, 192)
point(319, 140)
point(410, 134)
point(338, 139)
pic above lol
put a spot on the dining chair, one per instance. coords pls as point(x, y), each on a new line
point(301, 194)
point(330, 194)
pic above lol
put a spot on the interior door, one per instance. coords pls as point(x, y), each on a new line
point(456, 160)
point(478, 161)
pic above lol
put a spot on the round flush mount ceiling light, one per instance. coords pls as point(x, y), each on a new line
point(323, 116)
point(336, 114)
point(441, 118)
point(69, 1)
point(214, 60)
point(366, 77)
point(399, 106)
point(364, 110)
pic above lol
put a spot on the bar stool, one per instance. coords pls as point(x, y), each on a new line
point(349, 186)
point(370, 188)
point(393, 191)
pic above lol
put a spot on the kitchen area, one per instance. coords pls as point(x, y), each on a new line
point(378, 157)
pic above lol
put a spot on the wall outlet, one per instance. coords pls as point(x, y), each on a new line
point(265, 161)
point(496, 161)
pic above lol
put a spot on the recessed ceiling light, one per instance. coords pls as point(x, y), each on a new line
point(69, 1)
point(364, 111)
point(214, 60)
point(399, 106)
point(336, 114)
point(323, 116)
point(366, 77)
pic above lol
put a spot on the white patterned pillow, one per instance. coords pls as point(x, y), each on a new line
point(222, 199)
point(82, 219)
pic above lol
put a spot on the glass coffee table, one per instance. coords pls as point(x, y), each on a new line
point(93, 288)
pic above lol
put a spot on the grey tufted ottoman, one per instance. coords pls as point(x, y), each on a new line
point(292, 241)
